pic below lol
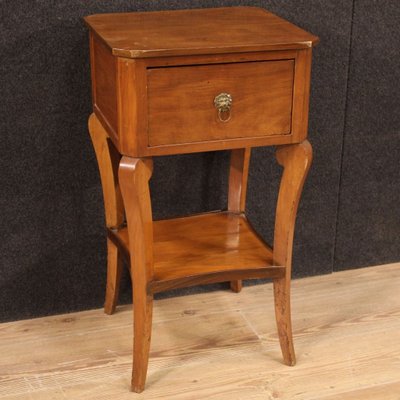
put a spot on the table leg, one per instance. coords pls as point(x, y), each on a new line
point(238, 174)
point(108, 159)
point(296, 160)
point(134, 175)
point(114, 272)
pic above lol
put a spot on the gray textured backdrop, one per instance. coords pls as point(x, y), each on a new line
point(52, 247)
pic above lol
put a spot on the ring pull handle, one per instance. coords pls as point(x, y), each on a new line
point(223, 103)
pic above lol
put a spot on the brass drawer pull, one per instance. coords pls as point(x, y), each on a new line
point(222, 103)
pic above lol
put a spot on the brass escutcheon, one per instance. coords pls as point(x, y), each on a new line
point(222, 103)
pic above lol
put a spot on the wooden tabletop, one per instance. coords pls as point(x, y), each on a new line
point(200, 31)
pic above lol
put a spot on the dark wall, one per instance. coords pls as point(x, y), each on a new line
point(368, 229)
point(52, 247)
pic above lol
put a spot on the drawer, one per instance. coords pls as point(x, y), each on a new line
point(181, 101)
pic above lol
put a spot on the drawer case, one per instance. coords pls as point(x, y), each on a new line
point(166, 103)
point(181, 107)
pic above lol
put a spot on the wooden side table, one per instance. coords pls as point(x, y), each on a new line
point(189, 81)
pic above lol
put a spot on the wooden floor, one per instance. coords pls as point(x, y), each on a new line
point(347, 338)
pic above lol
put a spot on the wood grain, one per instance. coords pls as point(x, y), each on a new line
point(155, 77)
point(237, 189)
point(107, 160)
point(114, 273)
point(132, 106)
point(146, 123)
point(202, 31)
point(238, 176)
point(296, 160)
point(144, 102)
point(208, 242)
point(387, 391)
point(181, 101)
point(134, 175)
point(219, 346)
point(301, 94)
point(104, 85)
point(205, 248)
point(222, 58)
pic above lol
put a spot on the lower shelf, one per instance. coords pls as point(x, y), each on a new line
point(205, 248)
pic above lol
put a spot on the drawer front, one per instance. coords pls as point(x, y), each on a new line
point(181, 107)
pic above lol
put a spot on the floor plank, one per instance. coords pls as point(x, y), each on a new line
point(220, 345)
point(389, 391)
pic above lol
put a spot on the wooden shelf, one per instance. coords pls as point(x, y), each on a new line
point(205, 248)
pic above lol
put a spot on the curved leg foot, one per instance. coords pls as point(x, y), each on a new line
point(236, 286)
point(114, 271)
point(283, 319)
point(296, 160)
point(142, 315)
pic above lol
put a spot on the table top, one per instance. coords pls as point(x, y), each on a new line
point(200, 31)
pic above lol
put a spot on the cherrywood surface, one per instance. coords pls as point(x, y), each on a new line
point(161, 101)
point(236, 286)
point(220, 346)
point(237, 189)
point(202, 31)
point(238, 176)
point(301, 94)
point(216, 145)
point(134, 133)
point(204, 243)
point(132, 106)
point(296, 161)
point(204, 248)
point(108, 160)
point(161, 111)
point(104, 85)
point(134, 175)
point(222, 58)
point(114, 273)
point(181, 101)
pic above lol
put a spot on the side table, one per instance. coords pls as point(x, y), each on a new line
point(188, 81)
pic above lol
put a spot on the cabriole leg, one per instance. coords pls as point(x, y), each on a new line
point(296, 160)
point(108, 160)
point(134, 175)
